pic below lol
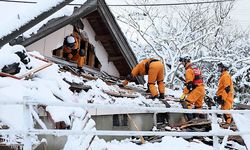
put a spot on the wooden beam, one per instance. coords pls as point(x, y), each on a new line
point(35, 70)
point(3, 74)
point(243, 106)
point(106, 37)
point(115, 58)
point(87, 8)
point(118, 94)
point(7, 38)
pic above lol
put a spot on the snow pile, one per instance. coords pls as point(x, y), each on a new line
point(167, 142)
point(48, 85)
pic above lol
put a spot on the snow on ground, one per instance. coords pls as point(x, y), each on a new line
point(172, 143)
point(243, 123)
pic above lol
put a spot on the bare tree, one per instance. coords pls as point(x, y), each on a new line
point(204, 31)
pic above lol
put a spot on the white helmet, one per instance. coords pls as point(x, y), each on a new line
point(185, 58)
point(224, 64)
point(70, 39)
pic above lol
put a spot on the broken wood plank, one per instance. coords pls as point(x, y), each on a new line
point(90, 142)
point(63, 62)
point(74, 71)
point(78, 87)
point(3, 74)
point(32, 71)
point(231, 126)
point(165, 103)
point(118, 94)
point(195, 122)
point(141, 137)
point(39, 58)
point(242, 106)
point(237, 139)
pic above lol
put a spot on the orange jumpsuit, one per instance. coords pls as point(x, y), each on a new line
point(225, 81)
point(155, 73)
point(195, 96)
point(80, 58)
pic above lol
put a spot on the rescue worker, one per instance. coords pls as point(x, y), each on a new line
point(194, 91)
point(72, 50)
point(155, 70)
point(225, 92)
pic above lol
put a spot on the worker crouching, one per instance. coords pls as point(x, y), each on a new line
point(73, 51)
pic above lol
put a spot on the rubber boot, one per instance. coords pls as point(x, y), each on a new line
point(80, 70)
point(190, 117)
point(162, 96)
point(153, 97)
point(147, 91)
point(184, 104)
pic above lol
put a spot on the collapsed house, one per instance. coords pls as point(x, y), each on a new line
point(109, 57)
point(107, 48)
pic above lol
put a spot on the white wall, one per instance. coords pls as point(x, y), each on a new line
point(51, 41)
point(100, 52)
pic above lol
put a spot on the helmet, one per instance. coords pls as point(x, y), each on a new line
point(185, 58)
point(224, 65)
point(70, 41)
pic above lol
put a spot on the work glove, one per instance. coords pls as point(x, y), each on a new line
point(129, 77)
point(219, 100)
point(74, 52)
point(125, 82)
point(183, 96)
point(82, 52)
point(162, 96)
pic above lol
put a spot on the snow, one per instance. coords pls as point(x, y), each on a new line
point(22, 15)
point(25, 16)
point(167, 142)
point(243, 122)
point(49, 85)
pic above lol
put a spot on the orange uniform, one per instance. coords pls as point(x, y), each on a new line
point(227, 95)
point(155, 71)
point(69, 54)
point(197, 94)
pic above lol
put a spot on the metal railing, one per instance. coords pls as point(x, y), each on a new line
point(28, 103)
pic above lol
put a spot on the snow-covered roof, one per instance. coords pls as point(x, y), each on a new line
point(94, 11)
point(28, 20)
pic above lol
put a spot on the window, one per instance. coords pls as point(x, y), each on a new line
point(120, 120)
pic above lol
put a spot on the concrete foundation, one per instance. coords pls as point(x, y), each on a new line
point(142, 121)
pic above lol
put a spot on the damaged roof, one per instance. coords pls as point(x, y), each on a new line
point(107, 32)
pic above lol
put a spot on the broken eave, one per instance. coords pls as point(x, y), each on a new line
point(7, 38)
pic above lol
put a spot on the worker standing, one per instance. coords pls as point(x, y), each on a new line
point(194, 91)
point(155, 70)
point(225, 92)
